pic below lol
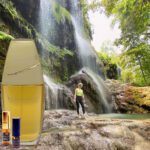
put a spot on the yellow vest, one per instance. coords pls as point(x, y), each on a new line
point(79, 92)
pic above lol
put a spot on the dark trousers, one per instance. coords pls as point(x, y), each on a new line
point(79, 101)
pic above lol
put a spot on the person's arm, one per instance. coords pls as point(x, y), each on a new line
point(83, 97)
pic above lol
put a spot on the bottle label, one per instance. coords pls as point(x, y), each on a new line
point(16, 141)
point(6, 136)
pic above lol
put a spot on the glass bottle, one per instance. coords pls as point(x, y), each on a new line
point(23, 87)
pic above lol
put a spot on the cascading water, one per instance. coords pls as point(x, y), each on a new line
point(54, 96)
point(85, 50)
point(45, 17)
point(101, 88)
point(52, 89)
point(45, 28)
point(87, 54)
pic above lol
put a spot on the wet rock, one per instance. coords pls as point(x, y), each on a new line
point(97, 96)
point(57, 96)
point(129, 99)
point(29, 9)
point(93, 133)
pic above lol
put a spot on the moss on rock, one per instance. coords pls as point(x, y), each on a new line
point(60, 13)
point(4, 42)
point(5, 37)
point(18, 24)
point(139, 97)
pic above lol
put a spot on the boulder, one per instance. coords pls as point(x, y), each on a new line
point(97, 96)
point(128, 98)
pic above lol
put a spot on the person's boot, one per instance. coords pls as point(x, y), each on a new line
point(83, 116)
point(79, 116)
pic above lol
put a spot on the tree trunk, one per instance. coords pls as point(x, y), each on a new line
point(139, 60)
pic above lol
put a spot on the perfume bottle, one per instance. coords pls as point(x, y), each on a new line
point(22, 88)
point(6, 128)
point(16, 132)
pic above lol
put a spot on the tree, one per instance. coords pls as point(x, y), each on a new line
point(109, 63)
point(133, 16)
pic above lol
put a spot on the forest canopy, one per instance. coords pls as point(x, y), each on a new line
point(134, 19)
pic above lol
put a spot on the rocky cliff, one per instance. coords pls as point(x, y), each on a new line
point(20, 19)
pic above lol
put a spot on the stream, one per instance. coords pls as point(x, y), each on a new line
point(126, 116)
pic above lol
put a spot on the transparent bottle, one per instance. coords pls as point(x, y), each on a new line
point(5, 128)
point(23, 88)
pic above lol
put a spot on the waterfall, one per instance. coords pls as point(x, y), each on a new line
point(87, 54)
point(51, 97)
point(45, 27)
point(101, 89)
point(54, 95)
point(45, 17)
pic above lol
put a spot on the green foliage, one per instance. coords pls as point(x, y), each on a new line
point(60, 53)
point(3, 27)
point(138, 99)
point(15, 19)
point(128, 76)
point(9, 6)
point(87, 25)
point(4, 42)
point(55, 55)
point(133, 16)
point(110, 65)
point(60, 13)
point(137, 61)
point(95, 5)
point(104, 57)
point(28, 29)
point(65, 74)
point(4, 36)
point(53, 60)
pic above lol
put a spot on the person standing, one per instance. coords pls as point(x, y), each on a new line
point(79, 99)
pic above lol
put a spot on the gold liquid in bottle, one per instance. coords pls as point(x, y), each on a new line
point(22, 89)
point(25, 102)
point(6, 128)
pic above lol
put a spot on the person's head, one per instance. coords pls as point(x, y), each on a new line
point(80, 85)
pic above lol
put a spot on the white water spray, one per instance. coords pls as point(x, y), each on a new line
point(100, 87)
point(45, 27)
point(45, 17)
point(51, 93)
point(87, 54)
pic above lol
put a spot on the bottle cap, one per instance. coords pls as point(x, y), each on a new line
point(5, 119)
point(16, 126)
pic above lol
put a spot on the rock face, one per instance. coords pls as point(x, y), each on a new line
point(4, 42)
point(97, 96)
point(58, 97)
point(62, 130)
point(20, 19)
point(29, 9)
point(129, 99)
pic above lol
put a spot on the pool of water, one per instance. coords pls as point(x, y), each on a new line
point(126, 116)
